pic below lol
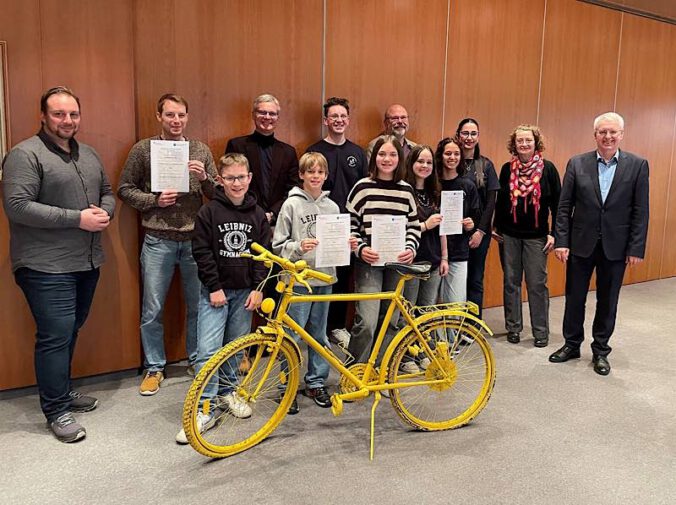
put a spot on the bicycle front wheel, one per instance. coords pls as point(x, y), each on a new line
point(460, 373)
point(242, 406)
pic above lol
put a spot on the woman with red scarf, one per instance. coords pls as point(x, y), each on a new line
point(528, 196)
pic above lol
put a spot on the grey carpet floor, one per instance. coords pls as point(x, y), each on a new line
point(551, 434)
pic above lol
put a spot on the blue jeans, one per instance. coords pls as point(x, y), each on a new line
point(454, 285)
point(216, 327)
point(60, 304)
point(370, 314)
point(313, 316)
point(159, 258)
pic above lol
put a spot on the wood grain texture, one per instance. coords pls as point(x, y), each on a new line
point(96, 62)
point(578, 82)
point(381, 53)
point(220, 55)
point(493, 71)
point(646, 98)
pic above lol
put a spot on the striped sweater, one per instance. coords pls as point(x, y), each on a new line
point(371, 197)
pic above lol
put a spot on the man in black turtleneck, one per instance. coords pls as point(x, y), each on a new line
point(274, 164)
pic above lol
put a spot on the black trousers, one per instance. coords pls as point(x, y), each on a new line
point(609, 275)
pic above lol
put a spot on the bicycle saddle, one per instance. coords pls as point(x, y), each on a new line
point(420, 270)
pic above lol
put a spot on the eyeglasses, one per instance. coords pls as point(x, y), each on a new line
point(264, 113)
point(612, 133)
point(230, 179)
point(336, 117)
point(397, 118)
point(466, 134)
point(524, 141)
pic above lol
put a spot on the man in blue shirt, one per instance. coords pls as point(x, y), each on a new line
point(601, 224)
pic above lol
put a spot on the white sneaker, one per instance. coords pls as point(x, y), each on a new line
point(341, 337)
point(409, 367)
point(425, 362)
point(204, 423)
point(236, 406)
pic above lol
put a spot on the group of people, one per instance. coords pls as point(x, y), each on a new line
point(58, 201)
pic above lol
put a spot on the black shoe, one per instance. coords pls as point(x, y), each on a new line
point(513, 337)
point(564, 354)
point(82, 403)
point(293, 408)
point(601, 365)
point(320, 396)
point(541, 342)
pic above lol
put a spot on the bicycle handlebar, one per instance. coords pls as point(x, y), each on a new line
point(299, 268)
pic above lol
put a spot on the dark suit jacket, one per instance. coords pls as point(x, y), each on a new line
point(621, 222)
point(284, 174)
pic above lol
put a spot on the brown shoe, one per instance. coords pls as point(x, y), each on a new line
point(245, 364)
point(151, 383)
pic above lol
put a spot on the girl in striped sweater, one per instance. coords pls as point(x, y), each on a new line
point(383, 192)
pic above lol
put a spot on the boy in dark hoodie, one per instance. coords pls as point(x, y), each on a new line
point(224, 229)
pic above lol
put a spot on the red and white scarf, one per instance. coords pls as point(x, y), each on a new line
point(524, 180)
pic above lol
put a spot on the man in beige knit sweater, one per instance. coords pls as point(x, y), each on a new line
point(168, 219)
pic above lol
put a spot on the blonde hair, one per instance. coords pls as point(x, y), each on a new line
point(309, 160)
point(232, 159)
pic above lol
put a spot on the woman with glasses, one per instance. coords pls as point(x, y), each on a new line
point(528, 197)
point(482, 171)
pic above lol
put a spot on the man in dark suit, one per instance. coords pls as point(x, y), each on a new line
point(274, 164)
point(601, 224)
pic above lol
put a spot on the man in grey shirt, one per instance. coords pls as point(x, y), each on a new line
point(395, 123)
point(58, 201)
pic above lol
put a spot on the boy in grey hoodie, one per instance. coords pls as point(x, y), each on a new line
point(294, 239)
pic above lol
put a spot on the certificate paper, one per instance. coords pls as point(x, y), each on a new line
point(169, 165)
point(333, 232)
point(388, 237)
point(451, 211)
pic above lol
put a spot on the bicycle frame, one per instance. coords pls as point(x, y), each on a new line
point(364, 385)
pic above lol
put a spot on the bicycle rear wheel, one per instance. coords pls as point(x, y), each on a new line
point(462, 367)
point(262, 395)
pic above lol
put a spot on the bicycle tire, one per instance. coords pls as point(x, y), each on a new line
point(468, 371)
point(269, 405)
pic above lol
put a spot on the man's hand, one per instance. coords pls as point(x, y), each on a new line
point(269, 215)
point(633, 260)
point(475, 239)
point(253, 301)
point(94, 219)
point(197, 168)
point(218, 299)
point(167, 198)
point(468, 224)
point(561, 254)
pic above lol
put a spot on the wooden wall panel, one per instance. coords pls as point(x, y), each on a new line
point(236, 51)
point(97, 63)
point(380, 54)
point(647, 101)
point(493, 72)
point(23, 68)
point(668, 249)
point(578, 83)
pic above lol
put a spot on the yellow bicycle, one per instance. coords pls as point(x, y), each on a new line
point(449, 393)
